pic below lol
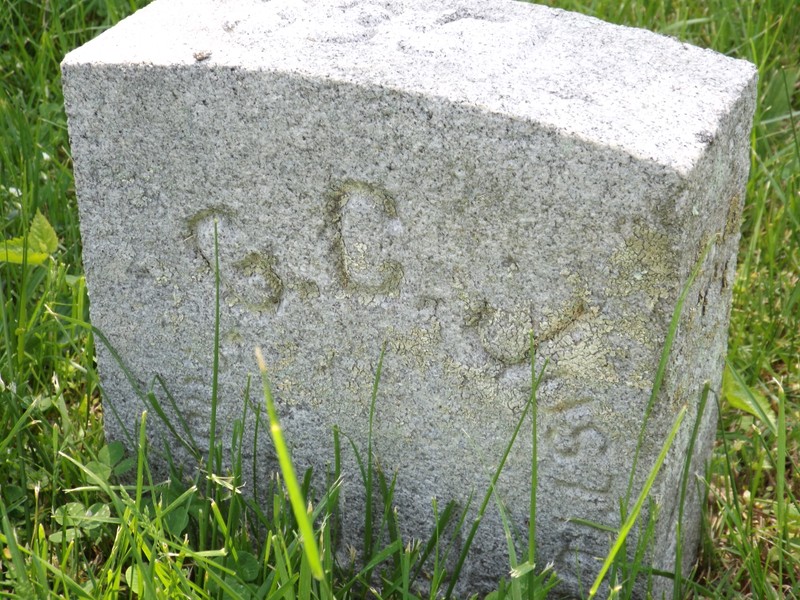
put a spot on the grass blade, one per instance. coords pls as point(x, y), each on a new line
point(534, 475)
point(23, 587)
point(290, 478)
point(488, 496)
point(212, 432)
point(637, 507)
point(662, 363)
point(677, 586)
point(370, 463)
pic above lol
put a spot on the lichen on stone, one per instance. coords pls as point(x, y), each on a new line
point(645, 264)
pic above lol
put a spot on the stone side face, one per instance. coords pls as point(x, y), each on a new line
point(444, 205)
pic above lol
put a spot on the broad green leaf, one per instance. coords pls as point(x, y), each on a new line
point(247, 566)
point(112, 453)
point(134, 580)
point(101, 469)
point(42, 237)
point(177, 520)
point(42, 242)
point(741, 396)
point(12, 251)
point(97, 514)
point(69, 514)
point(12, 495)
point(67, 535)
point(74, 280)
point(124, 466)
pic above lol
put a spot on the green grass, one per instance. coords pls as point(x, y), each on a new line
point(70, 528)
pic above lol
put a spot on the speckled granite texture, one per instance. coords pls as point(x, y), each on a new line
point(445, 177)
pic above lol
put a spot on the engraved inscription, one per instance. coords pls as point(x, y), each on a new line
point(577, 440)
point(504, 334)
point(251, 279)
point(256, 281)
point(365, 223)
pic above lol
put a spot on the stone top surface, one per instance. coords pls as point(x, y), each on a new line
point(648, 95)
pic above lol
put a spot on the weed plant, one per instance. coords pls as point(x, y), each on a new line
point(71, 527)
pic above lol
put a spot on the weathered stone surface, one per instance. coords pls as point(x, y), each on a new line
point(443, 176)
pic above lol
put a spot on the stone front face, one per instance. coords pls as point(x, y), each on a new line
point(442, 179)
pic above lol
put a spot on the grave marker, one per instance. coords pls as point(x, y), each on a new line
point(445, 177)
